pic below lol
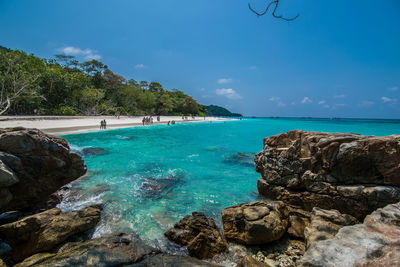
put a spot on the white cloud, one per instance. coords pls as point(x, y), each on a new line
point(228, 93)
point(140, 66)
point(224, 80)
point(394, 88)
point(386, 99)
point(274, 98)
point(366, 103)
point(89, 54)
point(306, 100)
point(339, 96)
point(281, 104)
point(321, 102)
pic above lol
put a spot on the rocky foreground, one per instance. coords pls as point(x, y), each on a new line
point(325, 200)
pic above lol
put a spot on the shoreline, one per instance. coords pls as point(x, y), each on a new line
point(62, 125)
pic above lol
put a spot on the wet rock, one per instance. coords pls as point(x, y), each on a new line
point(255, 223)
point(112, 250)
point(325, 224)
point(376, 242)
point(241, 158)
point(200, 234)
point(165, 260)
point(351, 173)
point(45, 230)
point(94, 151)
point(34, 165)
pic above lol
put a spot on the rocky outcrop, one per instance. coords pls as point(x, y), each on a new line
point(45, 230)
point(376, 242)
point(298, 221)
point(325, 224)
point(255, 223)
point(33, 165)
point(114, 250)
point(351, 173)
point(121, 249)
point(200, 234)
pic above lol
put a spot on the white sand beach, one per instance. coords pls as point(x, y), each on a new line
point(59, 125)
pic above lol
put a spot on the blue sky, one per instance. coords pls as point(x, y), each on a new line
point(340, 58)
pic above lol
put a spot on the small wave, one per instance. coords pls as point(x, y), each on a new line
point(80, 204)
point(193, 155)
point(77, 148)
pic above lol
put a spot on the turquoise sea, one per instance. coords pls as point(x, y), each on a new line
point(150, 177)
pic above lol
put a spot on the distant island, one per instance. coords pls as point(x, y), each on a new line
point(217, 111)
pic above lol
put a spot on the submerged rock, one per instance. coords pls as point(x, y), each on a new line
point(153, 187)
point(351, 173)
point(45, 230)
point(33, 166)
point(200, 234)
point(325, 224)
point(376, 242)
point(94, 151)
point(255, 223)
point(241, 158)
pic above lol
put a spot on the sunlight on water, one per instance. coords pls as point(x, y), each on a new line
point(150, 177)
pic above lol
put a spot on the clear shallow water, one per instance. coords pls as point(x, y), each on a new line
point(153, 176)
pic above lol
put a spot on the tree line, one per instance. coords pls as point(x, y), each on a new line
point(65, 86)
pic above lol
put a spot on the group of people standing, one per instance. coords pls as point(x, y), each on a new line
point(147, 120)
point(103, 124)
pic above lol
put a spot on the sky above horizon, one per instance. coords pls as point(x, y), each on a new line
point(340, 58)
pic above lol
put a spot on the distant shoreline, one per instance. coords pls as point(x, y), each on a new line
point(61, 125)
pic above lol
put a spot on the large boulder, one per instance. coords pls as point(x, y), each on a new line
point(255, 223)
point(33, 165)
point(351, 173)
point(112, 250)
point(325, 224)
point(200, 234)
point(45, 230)
point(376, 242)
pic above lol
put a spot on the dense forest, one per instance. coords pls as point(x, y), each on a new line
point(217, 111)
point(64, 86)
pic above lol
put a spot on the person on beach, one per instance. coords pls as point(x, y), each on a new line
point(151, 119)
point(105, 124)
point(169, 122)
point(143, 120)
point(101, 125)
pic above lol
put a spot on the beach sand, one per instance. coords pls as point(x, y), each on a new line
point(59, 125)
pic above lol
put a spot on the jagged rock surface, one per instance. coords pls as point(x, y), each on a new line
point(376, 242)
point(45, 230)
point(200, 234)
point(348, 172)
point(255, 223)
point(33, 165)
point(325, 224)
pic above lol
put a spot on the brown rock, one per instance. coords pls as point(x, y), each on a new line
point(43, 231)
point(325, 224)
point(113, 250)
point(255, 223)
point(351, 173)
point(41, 163)
point(298, 221)
point(249, 261)
point(200, 234)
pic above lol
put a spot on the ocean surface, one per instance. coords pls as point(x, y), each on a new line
point(150, 177)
